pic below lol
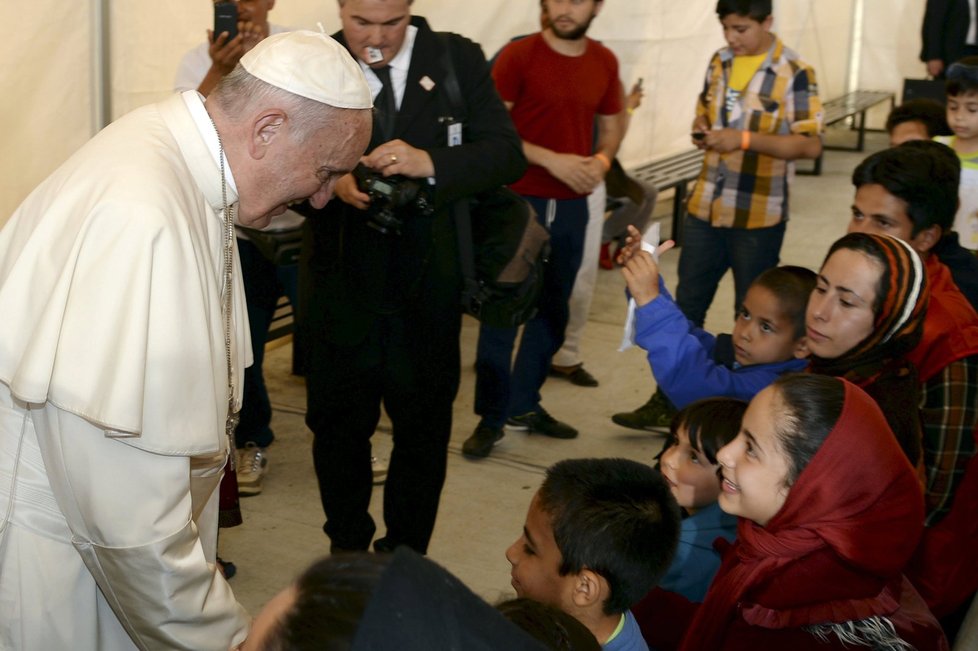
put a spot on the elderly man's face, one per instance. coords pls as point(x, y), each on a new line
point(295, 170)
point(375, 29)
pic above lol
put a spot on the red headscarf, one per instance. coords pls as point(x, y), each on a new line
point(836, 550)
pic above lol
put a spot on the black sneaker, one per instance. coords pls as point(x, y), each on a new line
point(480, 443)
point(656, 414)
point(542, 423)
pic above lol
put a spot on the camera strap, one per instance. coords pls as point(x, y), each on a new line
point(460, 209)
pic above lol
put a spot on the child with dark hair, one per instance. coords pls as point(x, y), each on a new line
point(598, 535)
point(829, 512)
point(689, 464)
point(917, 119)
point(689, 363)
point(758, 112)
point(962, 116)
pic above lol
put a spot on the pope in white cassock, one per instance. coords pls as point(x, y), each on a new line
point(123, 335)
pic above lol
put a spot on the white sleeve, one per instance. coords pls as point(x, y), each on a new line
point(131, 515)
point(192, 69)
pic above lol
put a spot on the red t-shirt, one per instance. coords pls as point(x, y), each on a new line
point(555, 101)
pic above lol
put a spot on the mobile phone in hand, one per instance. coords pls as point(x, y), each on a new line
point(226, 20)
point(698, 135)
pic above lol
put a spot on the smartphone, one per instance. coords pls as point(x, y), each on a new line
point(225, 20)
point(638, 84)
point(698, 135)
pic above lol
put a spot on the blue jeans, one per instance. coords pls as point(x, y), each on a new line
point(708, 252)
point(499, 391)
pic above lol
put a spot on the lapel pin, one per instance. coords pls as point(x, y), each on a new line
point(426, 83)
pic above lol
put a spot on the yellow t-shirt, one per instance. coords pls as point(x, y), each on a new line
point(743, 69)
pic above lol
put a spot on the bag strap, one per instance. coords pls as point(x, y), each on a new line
point(460, 209)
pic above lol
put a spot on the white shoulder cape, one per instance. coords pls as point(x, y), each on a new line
point(110, 287)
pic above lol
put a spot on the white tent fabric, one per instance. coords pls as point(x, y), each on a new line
point(50, 98)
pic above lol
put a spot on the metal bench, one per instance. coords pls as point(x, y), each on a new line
point(854, 104)
point(673, 172)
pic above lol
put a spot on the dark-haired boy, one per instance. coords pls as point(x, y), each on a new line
point(759, 111)
point(917, 119)
point(962, 116)
point(598, 535)
point(911, 192)
point(689, 363)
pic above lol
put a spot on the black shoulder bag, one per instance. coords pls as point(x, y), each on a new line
point(502, 247)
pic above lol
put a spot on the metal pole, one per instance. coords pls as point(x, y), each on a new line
point(855, 45)
point(101, 67)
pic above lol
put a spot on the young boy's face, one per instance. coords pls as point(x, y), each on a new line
point(690, 475)
point(907, 131)
point(962, 115)
point(763, 334)
point(536, 561)
point(746, 36)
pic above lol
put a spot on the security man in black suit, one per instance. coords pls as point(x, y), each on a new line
point(950, 33)
point(382, 320)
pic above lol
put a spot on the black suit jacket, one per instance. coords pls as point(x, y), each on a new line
point(944, 31)
point(360, 272)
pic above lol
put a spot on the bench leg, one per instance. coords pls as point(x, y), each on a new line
point(678, 214)
point(861, 142)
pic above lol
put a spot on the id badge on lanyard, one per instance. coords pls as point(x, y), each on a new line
point(453, 127)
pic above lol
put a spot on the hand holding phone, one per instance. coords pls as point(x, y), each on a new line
point(226, 20)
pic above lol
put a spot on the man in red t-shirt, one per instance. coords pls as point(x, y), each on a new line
point(555, 84)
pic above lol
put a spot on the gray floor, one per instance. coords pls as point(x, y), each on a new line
point(484, 503)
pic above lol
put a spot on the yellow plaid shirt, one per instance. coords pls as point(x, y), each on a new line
point(747, 189)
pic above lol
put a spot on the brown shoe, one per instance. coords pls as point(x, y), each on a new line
point(575, 374)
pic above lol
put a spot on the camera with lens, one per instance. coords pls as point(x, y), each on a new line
point(389, 196)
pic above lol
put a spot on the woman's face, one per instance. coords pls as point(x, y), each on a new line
point(754, 467)
point(840, 309)
point(691, 476)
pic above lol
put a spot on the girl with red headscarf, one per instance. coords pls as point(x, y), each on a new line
point(830, 512)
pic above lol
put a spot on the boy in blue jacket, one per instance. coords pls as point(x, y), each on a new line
point(689, 363)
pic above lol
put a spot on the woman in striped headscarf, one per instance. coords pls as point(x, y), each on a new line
point(864, 315)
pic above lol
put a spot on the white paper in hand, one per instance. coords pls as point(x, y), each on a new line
point(650, 241)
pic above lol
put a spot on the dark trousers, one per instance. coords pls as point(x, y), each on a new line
point(409, 362)
point(505, 388)
point(709, 251)
point(264, 283)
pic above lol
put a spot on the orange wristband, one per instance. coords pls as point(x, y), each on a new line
point(604, 160)
point(745, 140)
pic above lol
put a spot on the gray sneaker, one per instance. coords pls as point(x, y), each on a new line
point(252, 467)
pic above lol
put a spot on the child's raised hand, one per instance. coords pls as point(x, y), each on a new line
point(633, 244)
point(641, 274)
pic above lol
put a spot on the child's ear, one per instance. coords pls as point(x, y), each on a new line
point(590, 590)
point(801, 348)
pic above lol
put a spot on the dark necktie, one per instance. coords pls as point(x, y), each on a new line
point(385, 107)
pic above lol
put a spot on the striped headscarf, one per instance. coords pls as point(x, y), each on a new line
point(899, 309)
point(878, 363)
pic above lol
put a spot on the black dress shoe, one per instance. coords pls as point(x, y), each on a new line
point(479, 445)
point(576, 374)
point(384, 546)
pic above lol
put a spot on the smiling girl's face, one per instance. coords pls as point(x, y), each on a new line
point(691, 476)
point(754, 465)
